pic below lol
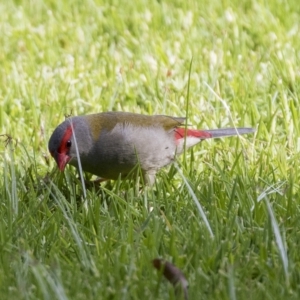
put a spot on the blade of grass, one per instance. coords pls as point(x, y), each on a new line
point(199, 207)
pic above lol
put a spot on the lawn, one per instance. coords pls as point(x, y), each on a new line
point(227, 214)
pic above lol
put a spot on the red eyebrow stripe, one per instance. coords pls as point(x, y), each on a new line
point(181, 132)
point(67, 136)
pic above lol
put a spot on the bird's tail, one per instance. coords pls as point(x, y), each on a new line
point(216, 133)
point(180, 133)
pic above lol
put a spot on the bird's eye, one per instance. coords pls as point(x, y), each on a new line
point(69, 144)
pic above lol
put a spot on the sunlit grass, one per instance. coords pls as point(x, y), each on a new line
point(223, 64)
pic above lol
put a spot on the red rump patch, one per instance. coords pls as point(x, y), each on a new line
point(181, 132)
point(67, 136)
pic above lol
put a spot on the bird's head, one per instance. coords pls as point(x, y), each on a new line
point(62, 145)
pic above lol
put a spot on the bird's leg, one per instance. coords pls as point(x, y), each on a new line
point(94, 183)
point(149, 177)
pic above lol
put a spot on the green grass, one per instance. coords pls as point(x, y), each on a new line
point(73, 57)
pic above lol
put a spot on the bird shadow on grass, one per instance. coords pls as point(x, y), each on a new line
point(69, 185)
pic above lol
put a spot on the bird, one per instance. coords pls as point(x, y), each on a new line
point(111, 144)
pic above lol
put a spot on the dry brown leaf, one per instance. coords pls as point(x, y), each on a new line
point(174, 275)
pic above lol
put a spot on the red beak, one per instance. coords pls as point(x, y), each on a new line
point(61, 160)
